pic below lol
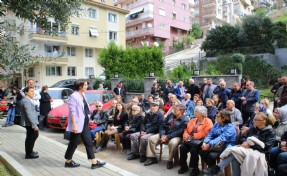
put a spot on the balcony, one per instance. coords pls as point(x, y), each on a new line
point(195, 4)
point(40, 34)
point(44, 56)
point(141, 17)
point(208, 14)
point(205, 25)
point(130, 6)
point(208, 3)
point(139, 33)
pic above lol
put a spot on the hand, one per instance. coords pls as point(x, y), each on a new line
point(185, 137)
point(205, 147)
point(245, 145)
point(112, 127)
point(36, 129)
point(143, 133)
point(127, 128)
point(163, 139)
point(278, 101)
point(75, 129)
point(110, 117)
point(51, 100)
point(243, 98)
point(283, 149)
point(244, 102)
point(244, 130)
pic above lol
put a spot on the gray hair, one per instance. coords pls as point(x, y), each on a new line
point(192, 80)
point(136, 107)
point(202, 110)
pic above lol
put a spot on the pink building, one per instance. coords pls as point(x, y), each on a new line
point(161, 21)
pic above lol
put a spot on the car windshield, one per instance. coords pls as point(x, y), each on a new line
point(92, 97)
point(55, 94)
point(58, 84)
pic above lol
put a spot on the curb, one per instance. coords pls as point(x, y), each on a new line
point(15, 167)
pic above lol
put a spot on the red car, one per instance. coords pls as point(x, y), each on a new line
point(4, 106)
point(58, 117)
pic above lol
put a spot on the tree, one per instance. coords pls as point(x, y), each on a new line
point(239, 59)
point(196, 31)
point(220, 40)
point(15, 56)
point(132, 62)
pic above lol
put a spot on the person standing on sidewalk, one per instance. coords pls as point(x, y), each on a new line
point(29, 120)
point(78, 126)
point(45, 106)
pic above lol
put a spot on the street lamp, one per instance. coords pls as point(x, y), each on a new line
point(196, 72)
point(116, 75)
point(151, 74)
point(233, 71)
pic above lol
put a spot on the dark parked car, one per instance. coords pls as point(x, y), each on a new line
point(68, 83)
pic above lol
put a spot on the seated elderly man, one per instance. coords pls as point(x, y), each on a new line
point(236, 116)
point(170, 132)
point(149, 127)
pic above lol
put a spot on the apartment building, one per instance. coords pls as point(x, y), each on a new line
point(73, 53)
point(211, 13)
point(160, 21)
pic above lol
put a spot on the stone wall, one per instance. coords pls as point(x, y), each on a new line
point(281, 54)
point(229, 79)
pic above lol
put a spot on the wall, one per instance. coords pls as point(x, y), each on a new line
point(281, 54)
point(229, 79)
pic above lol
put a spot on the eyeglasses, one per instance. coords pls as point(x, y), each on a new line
point(257, 120)
point(98, 106)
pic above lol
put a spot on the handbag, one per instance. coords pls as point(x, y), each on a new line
point(67, 135)
point(218, 148)
point(93, 126)
point(194, 142)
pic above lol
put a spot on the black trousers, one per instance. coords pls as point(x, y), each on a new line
point(194, 152)
point(126, 139)
point(74, 140)
point(209, 157)
point(246, 115)
point(31, 137)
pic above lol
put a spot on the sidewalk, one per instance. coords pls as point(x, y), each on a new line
point(51, 160)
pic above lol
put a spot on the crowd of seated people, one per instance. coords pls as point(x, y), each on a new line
point(220, 126)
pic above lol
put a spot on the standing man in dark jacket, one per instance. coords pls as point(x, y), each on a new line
point(193, 89)
point(170, 132)
point(29, 120)
point(236, 94)
point(150, 126)
point(45, 106)
point(120, 90)
point(223, 93)
point(274, 90)
point(168, 89)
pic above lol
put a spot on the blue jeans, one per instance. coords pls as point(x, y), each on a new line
point(236, 171)
point(94, 131)
point(277, 157)
point(11, 115)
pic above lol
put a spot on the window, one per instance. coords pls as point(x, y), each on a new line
point(112, 35)
point(53, 71)
point(183, 6)
point(71, 71)
point(89, 71)
point(173, 15)
point(162, 12)
point(92, 13)
point(162, 26)
point(93, 32)
point(183, 19)
point(144, 25)
point(89, 52)
point(31, 72)
point(75, 29)
point(179, 32)
point(71, 51)
point(173, 3)
point(112, 17)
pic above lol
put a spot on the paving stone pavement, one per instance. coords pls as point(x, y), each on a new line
point(51, 160)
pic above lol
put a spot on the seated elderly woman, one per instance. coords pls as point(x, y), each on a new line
point(132, 126)
point(100, 118)
point(211, 109)
point(278, 155)
point(197, 129)
point(222, 135)
point(281, 116)
point(251, 153)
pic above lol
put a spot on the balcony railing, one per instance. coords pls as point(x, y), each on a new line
point(135, 4)
point(208, 14)
point(208, 3)
point(139, 33)
point(145, 15)
point(39, 53)
point(39, 32)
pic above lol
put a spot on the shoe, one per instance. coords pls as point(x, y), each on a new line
point(151, 161)
point(169, 165)
point(99, 149)
point(129, 152)
point(143, 158)
point(194, 172)
point(34, 153)
point(32, 156)
point(72, 164)
point(98, 165)
point(207, 171)
point(133, 156)
point(182, 170)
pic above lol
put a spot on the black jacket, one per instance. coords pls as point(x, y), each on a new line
point(168, 90)
point(121, 121)
point(152, 122)
point(122, 93)
point(45, 104)
point(134, 122)
point(236, 97)
point(266, 135)
point(172, 127)
point(102, 121)
point(193, 89)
